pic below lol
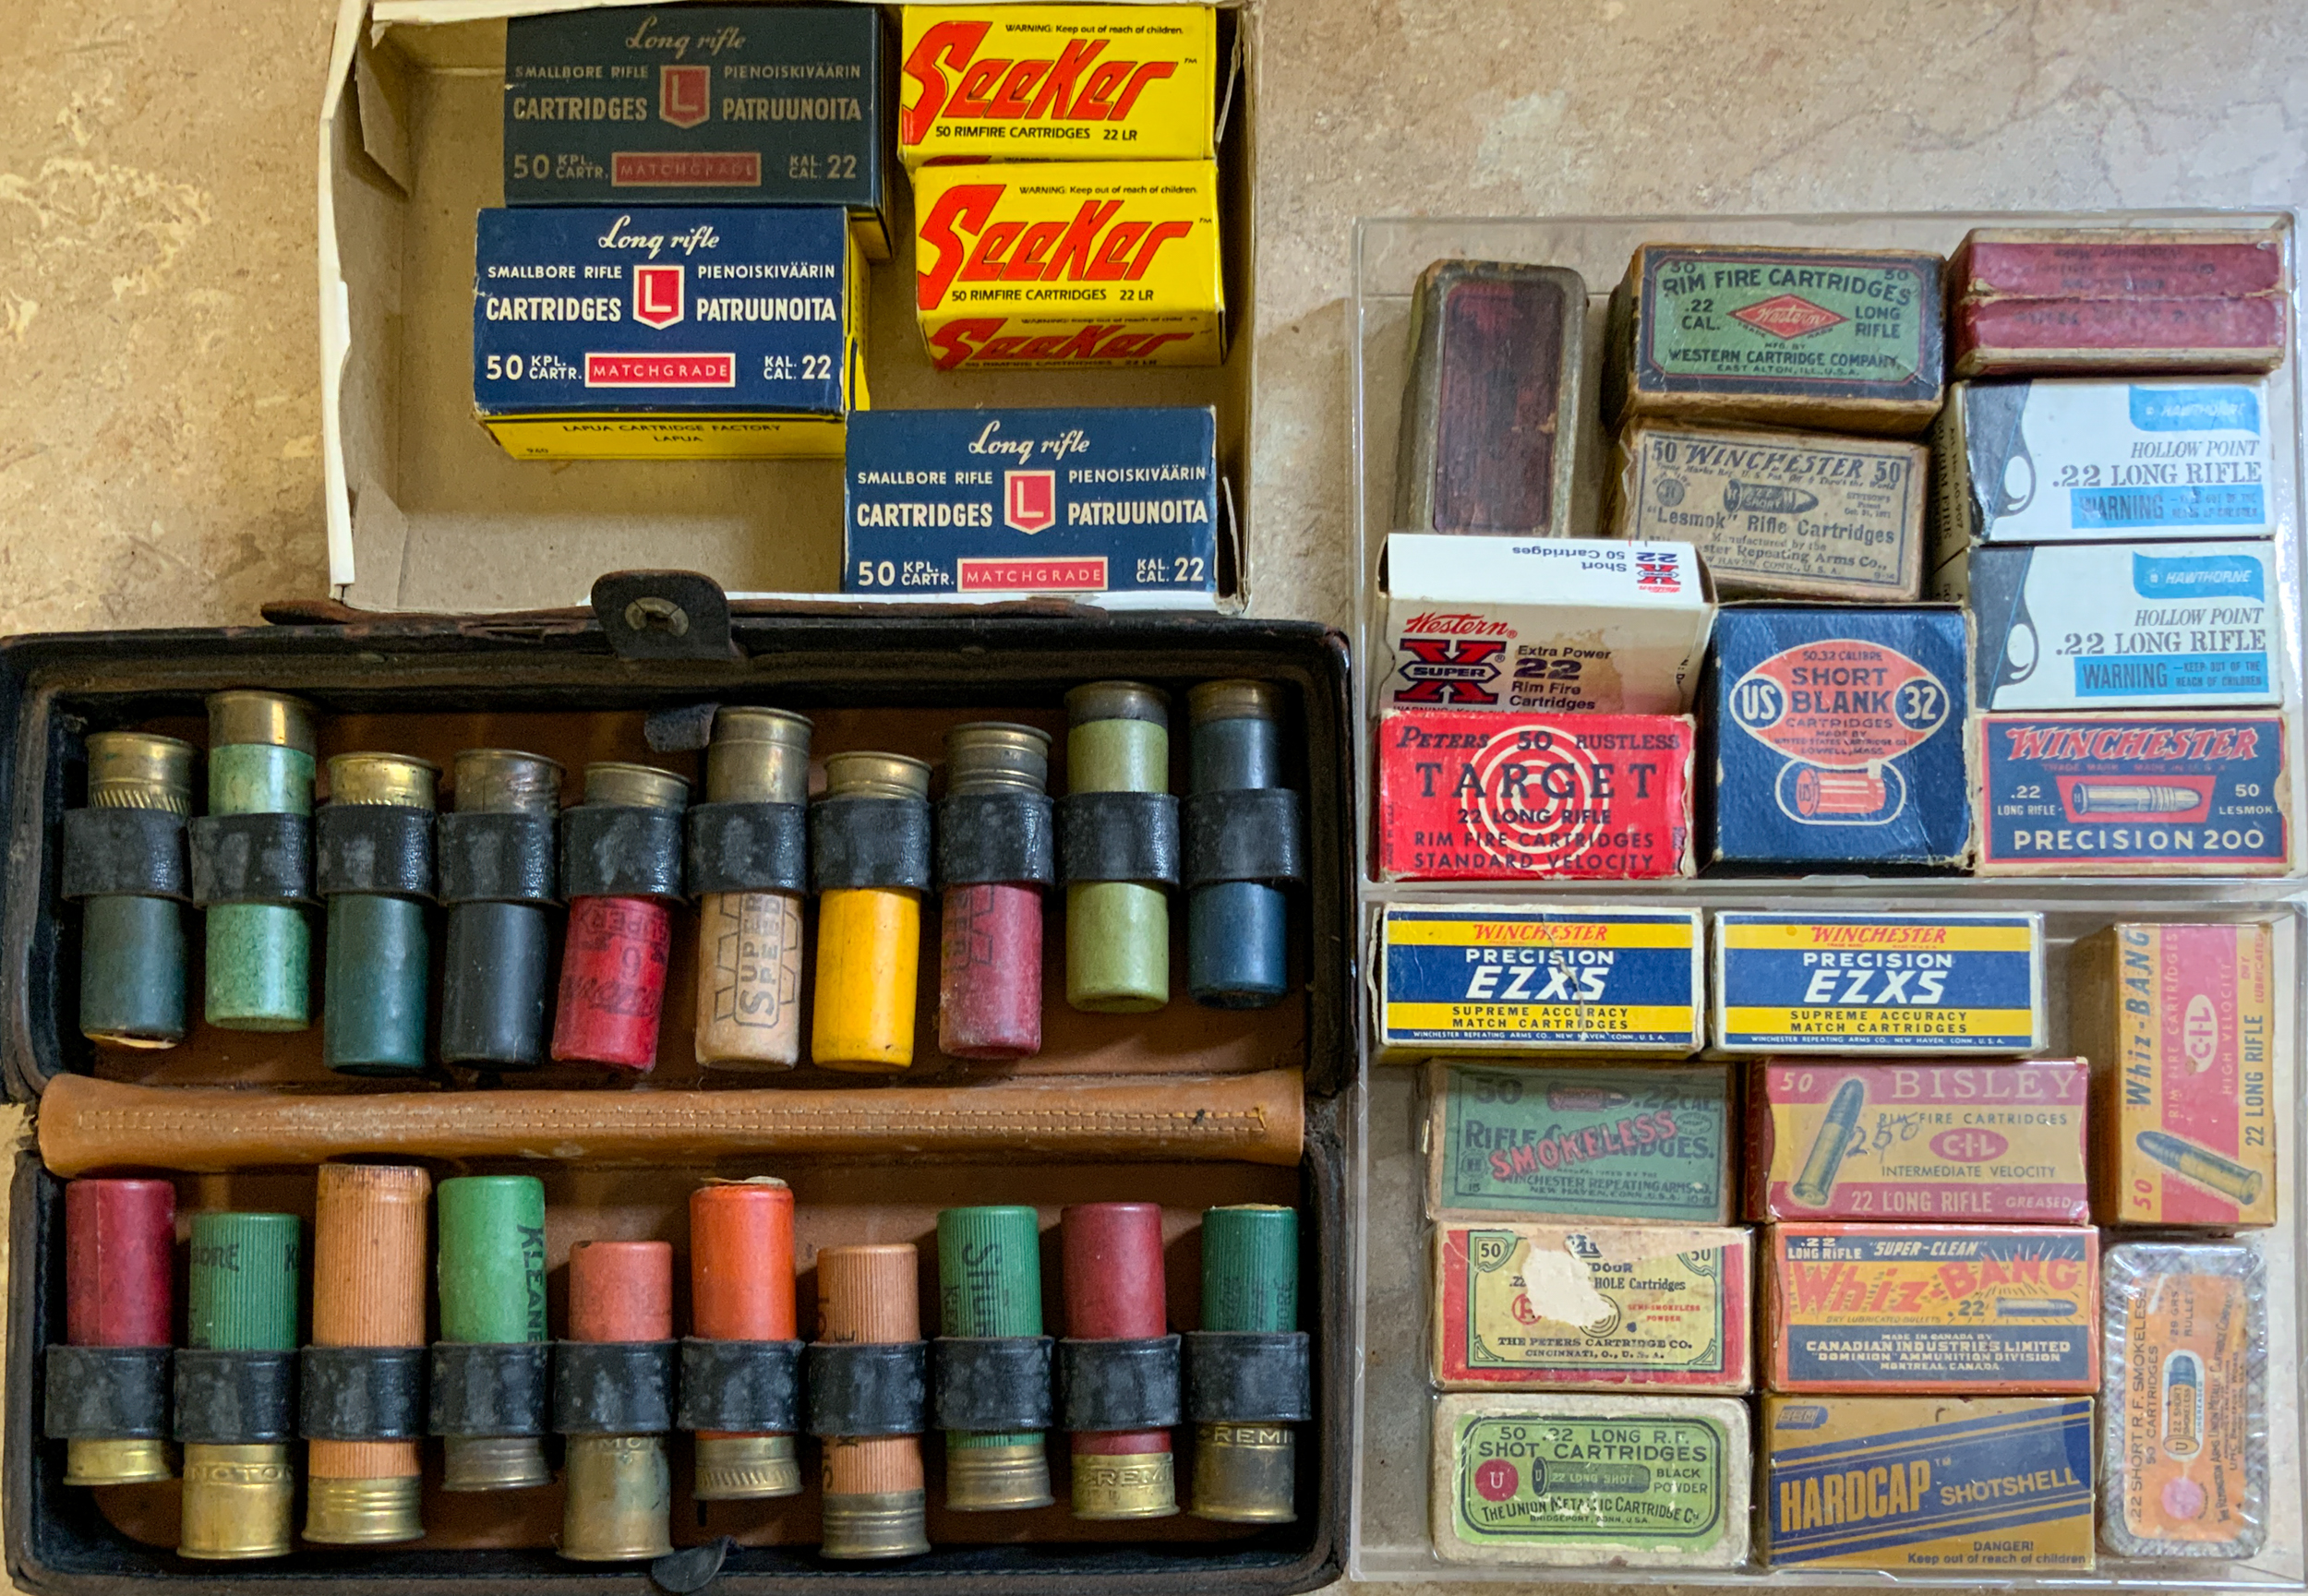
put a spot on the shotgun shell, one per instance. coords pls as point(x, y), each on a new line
point(748, 945)
point(874, 1503)
point(741, 1289)
point(989, 942)
point(372, 993)
point(491, 1269)
point(241, 1295)
point(119, 1272)
point(1237, 932)
point(990, 1284)
point(1247, 1472)
point(132, 948)
point(369, 1290)
point(869, 939)
point(613, 968)
point(1117, 933)
point(620, 1487)
point(493, 975)
point(259, 956)
point(1111, 1258)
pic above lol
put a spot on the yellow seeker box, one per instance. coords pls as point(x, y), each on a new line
point(1077, 263)
point(1058, 83)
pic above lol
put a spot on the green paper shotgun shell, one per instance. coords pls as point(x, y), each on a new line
point(490, 1266)
point(243, 1293)
point(379, 950)
point(132, 946)
point(1245, 1471)
point(990, 1284)
point(259, 954)
point(1117, 933)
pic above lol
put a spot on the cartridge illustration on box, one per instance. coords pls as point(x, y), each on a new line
point(600, 333)
point(983, 502)
point(1488, 978)
point(2134, 795)
point(700, 105)
point(1876, 984)
point(1837, 738)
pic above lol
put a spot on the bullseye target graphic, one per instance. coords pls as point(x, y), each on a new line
point(1538, 797)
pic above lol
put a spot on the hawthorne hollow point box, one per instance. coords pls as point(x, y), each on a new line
point(971, 503)
point(1881, 983)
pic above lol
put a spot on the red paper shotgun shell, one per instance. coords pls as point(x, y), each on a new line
point(119, 1263)
point(620, 1292)
point(741, 1289)
point(1111, 1259)
point(613, 982)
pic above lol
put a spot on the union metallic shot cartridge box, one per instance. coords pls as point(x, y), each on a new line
point(1474, 795)
point(2174, 794)
point(1556, 625)
point(1568, 1482)
point(1886, 1309)
point(2122, 626)
point(1526, 977)
point(700, 105)
point(1835, 737)
point(673, 333)
point(2180, 1023)
point(1073, 263)
point(1615, 1147)
point(1779, 514)
point(1845, 340)
point(1058, 83)
point(1074, 500)
point(1877, 984)
point(1979, 1486)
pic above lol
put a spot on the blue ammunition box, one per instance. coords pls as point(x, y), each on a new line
point(1883, 983)
point(1836, 737)
point(701, 105)
point(958, 502)
point(603, 333)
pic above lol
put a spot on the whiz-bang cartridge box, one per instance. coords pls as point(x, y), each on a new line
point(1550, 624)
point(1080, 263)
point(1497, 978)
point(700, 105)
point(1876, 984)
point(670, 333)
point(986, 501)
point(2122, 626)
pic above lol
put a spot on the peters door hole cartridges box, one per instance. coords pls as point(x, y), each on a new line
point(1878, 984)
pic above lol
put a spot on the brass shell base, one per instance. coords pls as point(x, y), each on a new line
point(1245, 1473)
point(124, 1462)
point(364, 1512)
point(619, 1506)
point(875, 1524)
point(997, 1478)
point(493, 1463)
point(237, 1501)
point(746, 1467)
point(1125, 1485)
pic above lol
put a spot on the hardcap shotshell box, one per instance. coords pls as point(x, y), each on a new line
point(1883, 1309)
point(1522, 978)
point(701, 105)
point(1611, 1146)
point(1472, 795)
point(2100, 459)
point(1616, 1481)
point(2122, 626)
point(1069, 263)
point(2180, 1021)
point(1877, 984)
point(1778, 514)
point(1834, 737)
point(1058, 83)
point(692, 333)
point(1978, 1487)
point(1546, 1306)
point(2173, 794)
point(1991, 1143)
point(1845, 340)
point(966, 502)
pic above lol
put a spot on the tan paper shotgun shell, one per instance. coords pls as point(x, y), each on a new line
point(1490, 413)
point(1779, 514)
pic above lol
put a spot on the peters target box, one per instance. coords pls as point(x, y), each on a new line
point(961, 502)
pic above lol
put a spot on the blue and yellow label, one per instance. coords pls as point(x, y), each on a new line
point(1489, 978)
point(1889, 983)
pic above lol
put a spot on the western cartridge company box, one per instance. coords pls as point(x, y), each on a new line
point(2122, 626)
point(700, 105)
point(2134, 795)
point(1497, 978)
point(1472, 795)
point(975, 501)
point(1836, 737)
point(602, 333)
point(2001, 1144)
point(1889, 983)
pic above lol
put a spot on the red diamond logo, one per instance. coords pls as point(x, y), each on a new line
point(1789, 316)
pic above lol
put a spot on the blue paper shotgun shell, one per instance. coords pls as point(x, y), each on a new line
point(1875, 984)
point(1836, 737)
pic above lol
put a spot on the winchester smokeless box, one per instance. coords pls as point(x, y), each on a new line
point(700, 105)
point(1075, 500)
point(1877, 984)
